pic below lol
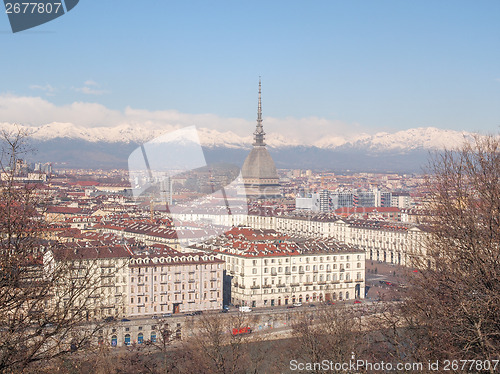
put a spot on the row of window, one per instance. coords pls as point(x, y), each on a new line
point(176, 297)
point(236, 261)
point(307, 268)
point(177, 287)
point(163, 269)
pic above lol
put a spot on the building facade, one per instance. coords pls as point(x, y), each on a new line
point(268, 268)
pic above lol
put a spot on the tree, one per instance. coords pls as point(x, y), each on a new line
point(215, 348)
point(43, 304)
point(453, 302)
point(328, 333)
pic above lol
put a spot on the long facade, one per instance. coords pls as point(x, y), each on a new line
point(392, 242)
point(267, 268)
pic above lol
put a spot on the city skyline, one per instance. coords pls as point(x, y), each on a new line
point(336, 69)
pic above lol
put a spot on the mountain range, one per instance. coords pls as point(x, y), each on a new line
point(66, 144)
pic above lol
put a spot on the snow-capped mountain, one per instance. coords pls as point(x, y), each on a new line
point(412, 139)
point(417, 138)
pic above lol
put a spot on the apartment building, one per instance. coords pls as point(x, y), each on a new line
point(135, 280)
point(389, 241)
point(268, 268)
point(167, 281)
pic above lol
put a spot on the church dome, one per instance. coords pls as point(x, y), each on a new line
point(259, 165)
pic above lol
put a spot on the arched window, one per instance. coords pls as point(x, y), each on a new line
point(127, 339)
point(140, 338)
point(153, 336)
point(114, 341)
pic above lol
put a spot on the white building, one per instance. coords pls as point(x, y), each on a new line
point(267, 268)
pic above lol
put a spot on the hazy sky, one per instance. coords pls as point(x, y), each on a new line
point(369, 65)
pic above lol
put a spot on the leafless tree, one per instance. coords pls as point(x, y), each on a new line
point(217, 346)
point(332, 333)
point(453, 302)
point(43, 304)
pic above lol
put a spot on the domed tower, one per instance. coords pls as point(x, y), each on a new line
point(258, 171)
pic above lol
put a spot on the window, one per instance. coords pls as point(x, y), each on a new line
point(254, 271)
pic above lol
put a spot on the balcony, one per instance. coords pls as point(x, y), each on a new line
point(295, 285)
point(348, 281)
point(308, 284)
point(191, 281)
point(288, 272)
point(273, 273)
point(280, 285)
point(359, 280)
point(241, 286)
point(266, 286)
point(256, 287)
point(321, 282)
point(301, 271)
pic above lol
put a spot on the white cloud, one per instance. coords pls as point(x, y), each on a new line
point(91, 88)
point(37, 111)
point(49, 90)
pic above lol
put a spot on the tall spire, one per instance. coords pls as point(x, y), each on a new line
point(259, 130)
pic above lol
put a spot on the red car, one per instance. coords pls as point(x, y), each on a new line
point(243, 331)
point(357, 302)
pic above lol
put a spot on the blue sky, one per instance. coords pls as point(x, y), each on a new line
point(372, 65)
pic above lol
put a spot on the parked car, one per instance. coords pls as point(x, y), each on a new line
point(312, 305)
point(297, 304)
point(198, 312)
point(166, 315)
point(242, 331)
point(357, 301)
point(290, 306)
point(224, 311)
point(125, 320)
point(245, 309)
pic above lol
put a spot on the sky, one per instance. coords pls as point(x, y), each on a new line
point(327, 67)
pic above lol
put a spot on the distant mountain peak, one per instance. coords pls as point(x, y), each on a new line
point(410, 139)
